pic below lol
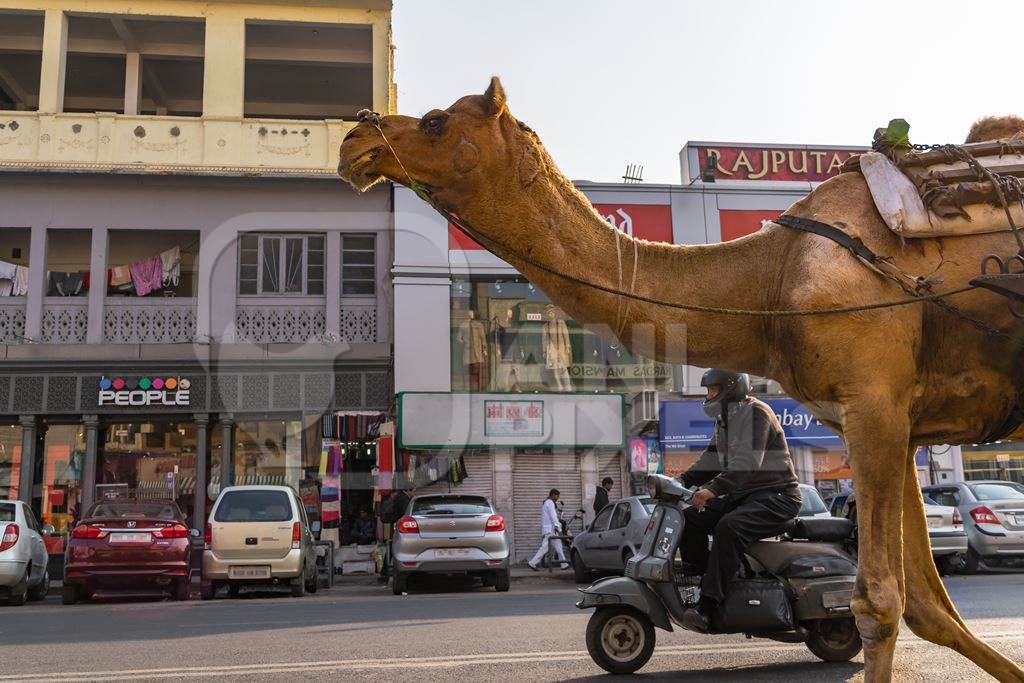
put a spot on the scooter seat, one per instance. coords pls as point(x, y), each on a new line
point(791, 559)
point(821, 529)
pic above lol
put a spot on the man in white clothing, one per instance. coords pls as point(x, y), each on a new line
point(550, 526)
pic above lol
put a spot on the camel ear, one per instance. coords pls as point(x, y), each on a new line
point(494, 97)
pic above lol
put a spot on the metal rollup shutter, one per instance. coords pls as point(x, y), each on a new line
point(533, 476)
point(610, 465)
point(478, 482)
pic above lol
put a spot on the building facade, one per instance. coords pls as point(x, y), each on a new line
point(189, 297)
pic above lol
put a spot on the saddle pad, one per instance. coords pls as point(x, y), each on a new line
point(902, 209)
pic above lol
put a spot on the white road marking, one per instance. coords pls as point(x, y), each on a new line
point(425, 662)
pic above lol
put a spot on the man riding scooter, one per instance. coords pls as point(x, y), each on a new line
point(748, 489)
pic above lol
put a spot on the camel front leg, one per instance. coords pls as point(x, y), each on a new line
point(929, 611)
point(878, 447)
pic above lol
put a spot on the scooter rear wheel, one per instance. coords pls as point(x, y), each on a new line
point(835, 640)
point(620, 639)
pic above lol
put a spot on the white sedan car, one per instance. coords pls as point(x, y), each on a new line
point(23, 555)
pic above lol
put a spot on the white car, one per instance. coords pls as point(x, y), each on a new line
point(23, 554)
point(813, 505)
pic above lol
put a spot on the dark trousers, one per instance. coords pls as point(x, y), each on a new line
point(735, 525)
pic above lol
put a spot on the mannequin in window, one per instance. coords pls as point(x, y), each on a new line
point(557, 350)
point(508, 352)
point(473, 338)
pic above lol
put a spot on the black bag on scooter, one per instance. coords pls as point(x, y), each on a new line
point(754, 606)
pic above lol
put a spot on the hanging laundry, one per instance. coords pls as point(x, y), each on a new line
point(171, 262)
point(20, 287)
point(120, 276)
point(147, 275)
point(7, 273)
point(64, 284)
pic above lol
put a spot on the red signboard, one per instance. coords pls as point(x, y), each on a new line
point(652, 222)
point(739, 222)
point(772, 163)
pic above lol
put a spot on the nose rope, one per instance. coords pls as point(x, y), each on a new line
point(423, 193)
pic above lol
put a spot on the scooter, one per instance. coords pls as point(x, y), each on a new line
point(794, 589)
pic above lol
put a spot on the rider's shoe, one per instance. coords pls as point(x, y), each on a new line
point(695, 620)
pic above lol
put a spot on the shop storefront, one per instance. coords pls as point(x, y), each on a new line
point(1003, 461)
point(514, 448)
point(175, 433)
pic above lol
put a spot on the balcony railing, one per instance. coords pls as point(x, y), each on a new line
point(65, 320)
point(268, 320)
point(12, 320)
point(169, 144)
point(359, 322)
point(149, 320)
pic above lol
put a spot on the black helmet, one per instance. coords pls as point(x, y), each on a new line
point(731, 386)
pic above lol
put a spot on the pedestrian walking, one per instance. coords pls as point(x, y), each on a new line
point(550, 525)
point(601, 496)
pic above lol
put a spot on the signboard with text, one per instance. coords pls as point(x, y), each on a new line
point(514, 418)
point(684, 424)
point(734, 161)
point(144, 392)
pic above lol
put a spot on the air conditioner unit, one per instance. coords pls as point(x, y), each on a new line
point(644, 407)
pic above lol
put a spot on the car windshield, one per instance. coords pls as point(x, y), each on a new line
point(997, 491)
point(127, 510)
point(451, 505)
point(812, 504)
point(254, 506)
point(7, 512)
point(648, 504)
point(929, 501)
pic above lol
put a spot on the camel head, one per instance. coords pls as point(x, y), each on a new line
point(453, 152)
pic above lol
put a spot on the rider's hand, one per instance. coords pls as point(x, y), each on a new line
point(701, 498)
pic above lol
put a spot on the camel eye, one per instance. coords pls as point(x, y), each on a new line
point(434, 125)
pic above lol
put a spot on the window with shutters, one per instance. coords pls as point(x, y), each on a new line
point(281, 264)
point(358, 265)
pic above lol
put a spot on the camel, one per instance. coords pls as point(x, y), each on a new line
point(889, 380)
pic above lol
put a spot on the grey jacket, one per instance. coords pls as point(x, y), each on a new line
point(747, 453)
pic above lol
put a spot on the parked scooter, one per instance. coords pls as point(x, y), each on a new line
point(796, 589)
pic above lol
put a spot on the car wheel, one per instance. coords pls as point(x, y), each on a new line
point(39, 591)
point(19, 592)
point(503, 580)
point(298, 586)
point(488, 580)
point(580, 573)
point(234, 589)
point(207, 590)
point(620, 640)
point(399, 580)
point(181, 590)
point(70, 594)
point(970, 561)
point(313, 583)
point(947, 564)
point(835, 640)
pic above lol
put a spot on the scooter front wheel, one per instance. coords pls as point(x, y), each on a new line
point(620, 639)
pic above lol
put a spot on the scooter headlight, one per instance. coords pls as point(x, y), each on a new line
point(654, 486)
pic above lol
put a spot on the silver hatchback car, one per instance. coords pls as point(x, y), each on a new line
point(450, 534)
point(993, 517)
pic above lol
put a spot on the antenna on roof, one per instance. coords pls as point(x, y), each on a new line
point(634, 174)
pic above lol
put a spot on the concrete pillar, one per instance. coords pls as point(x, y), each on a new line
point(227, 451)
point(382, 67)
point(91, 423)
point(36, 283)
point(588, 480)
point(54, 62)
point(132, 83)
point(28, 458)
point(224, 67)
point(956, 458)
point(332, 283)
point(502, 500)
point(97, 285)
point(202, 459)
point(803, 460)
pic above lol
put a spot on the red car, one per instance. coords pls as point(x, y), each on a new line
point(134, 546)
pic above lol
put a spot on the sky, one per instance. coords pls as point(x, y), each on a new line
point(609, 83)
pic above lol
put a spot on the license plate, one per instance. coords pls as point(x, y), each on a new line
point(934, 522)
point(453, 552)
point(130, 537)
point(249, 572)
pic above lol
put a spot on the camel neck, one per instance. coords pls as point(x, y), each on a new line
point(554, 227)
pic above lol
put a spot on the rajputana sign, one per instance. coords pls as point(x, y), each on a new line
point(145, 391)
point(767, 162)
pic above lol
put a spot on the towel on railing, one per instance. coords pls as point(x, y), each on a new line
point(171, 260)
point(20, 287)
point(147, 275)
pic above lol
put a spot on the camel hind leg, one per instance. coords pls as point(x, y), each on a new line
point(929, 612)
